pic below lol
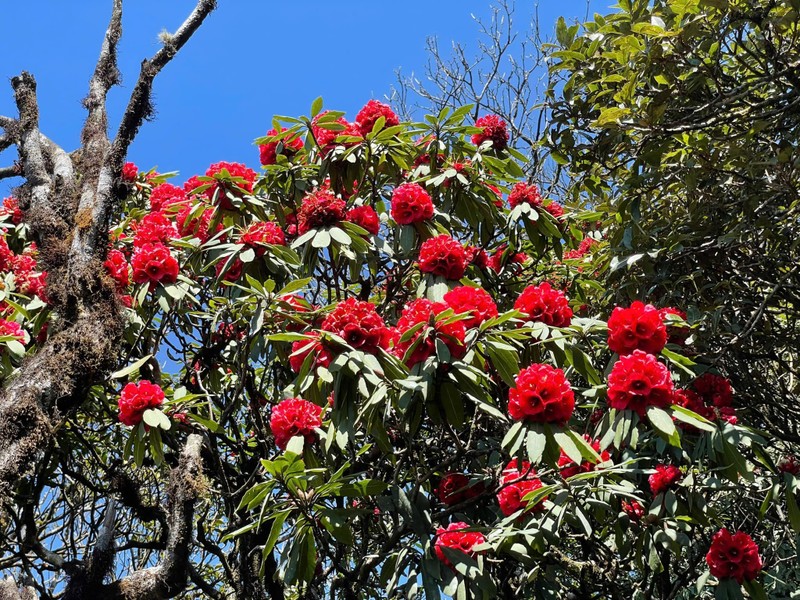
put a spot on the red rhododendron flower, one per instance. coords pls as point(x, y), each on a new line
point(664, 478)
point(544, 304)
point(475, 301)
point(268, 152)
point(582, 250)
point(636, 328)
point(477, 256)
point(320, 209)
point(637, 381)
point(261, 233)
point(359, 324)
point(246, 178)
point(693, 401)
point(494, 129)
point(454, 488)
point(129, 172)
point(326, 138)
point(735, 556)
point(295, 416)
point(365, 217)
point(676, 333)
point(496, 262)
point(28, 280)
point(136, 398)
point(422, 311)
point(234, 272)
point(154, 228)
point(118, 268)
point(555, 209)
point(516, 483)
point(442, 255)
point(455, 538)
point(541, 394)
point(790, 464)
point(411, 204)
point(13, 329)
point(523, 192)
point(199, 226)
point(714, 389)
point(165, 195)
point(302, 348)
point(727, 414)
point(7, 256)
point(633, 509)
point(192, 184)
point(154, 263)
point(372, 111)
point(11, 207)
point(569, 468)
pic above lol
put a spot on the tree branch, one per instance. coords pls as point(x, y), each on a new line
point(10, 171)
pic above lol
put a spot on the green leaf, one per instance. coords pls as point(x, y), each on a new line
point(316, 106)
point(322, 239)
point(663, 424)
point(692, 418)
point(132, 368)
point(535, 442)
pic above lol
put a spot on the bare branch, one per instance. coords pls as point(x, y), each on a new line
point(10, 171)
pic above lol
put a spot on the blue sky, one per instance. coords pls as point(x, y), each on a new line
point(250, 60)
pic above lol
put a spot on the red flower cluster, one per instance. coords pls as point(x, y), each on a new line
point(27, 279)
point(477, 256)
point(582, 250)
point(555, 209)
point(494, 129)
point(359, 324)
point(544, 304)
point(637, 381)
point(639, 327)
point(696, 403)
point(633, 509)
point(221, 185)
point(372, 111)
point(326, 138)
point(118, 268)
point(569, 468)
point(541, 394)
point(365, 217)
point(129, 172)
point(442, 255)
point(11, 207)
point(524, 193)
point(12, 329)
point(517, 483)
point(424, 342)
point(268, 152)
point(260, 233)
point(411, 204)
point(676, 333)
point(734, 556)
point(154, 228)
point(455, 538)
point(136, 398)
point(165, 195)
point(154, 263)
point(790, 464)
point(475, 301)
point(714, 389)
point(664, 478)
point(199, 226)
point(320, 209)
point(454, 488)
point(302, 348)
point(496, 261)
point(295, 416)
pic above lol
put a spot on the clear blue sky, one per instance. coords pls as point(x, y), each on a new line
point(250, 60)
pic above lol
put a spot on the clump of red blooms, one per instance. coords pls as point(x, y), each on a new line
point(129, 172)
point(359, 324)
point(456, 538)
point(516, 482)
point(293, 417)
point(497, 264)
point(568, 467)
point(455, 488)
point(582, 249)
point(118, 268)
point(442, 255)
point(373, 110)
point(790, 464)
point(693, 401)
point(12, 329)
point(637, 381)
point(221, 186)
point(664, 478)
point(523, 192)
point(314, 346)
point(27, 279)
point(494, 129)
point(639, 327)
point(268, 153)
point(366, 218)
point(262, 233)
point(320, 209)
point(11, 207)
point(733, 556)
point(198, 226)
point(153, 264)
point(475, 301)
point(154, 228)
point(676, 333)
point(325, 131)
point(541, 394)
point(633, 509)
point(714, 389)
point(544, 304)
point(424, 342)
point(476, 256)
point(411, 204)
point(136, 398)
point(166, 195)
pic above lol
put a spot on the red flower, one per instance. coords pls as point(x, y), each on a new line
point(225, 185)
point(569, 468)
point(411, 204)
point(496, 261)
point(637, 381)
point(664, 477)
point(165, 195)
point(454, 488)
point(789, 464)
point(198, 226)
point(13, 329)
point(734, 556)
point(714, 389)
point(192, 184)
point(636, 328)
point(633, 509)
point(297, 304)
point(475, 301)
point(11, 207)
point(516, 484)
point(234, 272)
point(676, 333)
point(424, 341)
point(359, 324)
point(261, 233)
point(543, 303)
point(154, 263)
point(154, 228)
point(494, 129)
point(455, 538)
point(28, 280)
point(555, 209)
point(118, 268)
point(524, 193)
point(442, 255)
point(320, 209)
point(129, 172)
point(477, 256)
point(582, 250)
point(365, 217)
point(542, 395)
point(372, 111)
point(693, 401)
point(7, 256)
point(302, 348)
point(295, 416)
point(268, 152)
point(136, 398)
point(324, 137)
